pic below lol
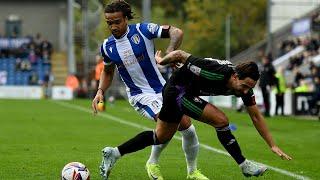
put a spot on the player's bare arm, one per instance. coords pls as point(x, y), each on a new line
point(105, 82)
point(176, 36)
point(262, 128)
point(177, 56)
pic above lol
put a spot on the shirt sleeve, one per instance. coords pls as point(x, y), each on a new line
point(106, 59)
point(211, 69)
point(249, 98)
point(150, 30)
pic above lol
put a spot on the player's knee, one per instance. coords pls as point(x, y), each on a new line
point(222, 121)
point(185, 123)
point(161, 139)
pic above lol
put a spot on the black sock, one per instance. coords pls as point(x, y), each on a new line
point(140, 141)
point(230, 143)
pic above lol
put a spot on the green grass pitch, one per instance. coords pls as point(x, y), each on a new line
point(38, 137)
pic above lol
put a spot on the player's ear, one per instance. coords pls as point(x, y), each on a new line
point(235, 76)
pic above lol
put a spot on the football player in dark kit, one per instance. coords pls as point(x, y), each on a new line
point(203, 77)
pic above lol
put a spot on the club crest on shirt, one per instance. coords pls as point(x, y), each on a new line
point(152, 27)
point(135, 38)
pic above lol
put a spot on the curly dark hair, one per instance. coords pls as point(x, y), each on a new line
point(248, 69)
point(120, 6)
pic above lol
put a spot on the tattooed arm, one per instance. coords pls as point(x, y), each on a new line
point(177, 56)
point(176, 36)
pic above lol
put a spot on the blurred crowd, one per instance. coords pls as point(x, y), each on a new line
point(304, 71)
point(32, 49)
point(27, 60)
point(310, 43)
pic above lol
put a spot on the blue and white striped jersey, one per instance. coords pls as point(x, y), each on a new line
point(133, 55)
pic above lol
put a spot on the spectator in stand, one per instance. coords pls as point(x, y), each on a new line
point(72, 83)
point(33, 79)
point(38, 38)
point(316, 21)
point(288, 45)
point(45, 57)
point(46, 49)
point(37, 42)
point(32, 53)
point(297, 78)
point(83, 89)
point(98, 69)
point(25, 65)
point(267, 79)
point(315, 73)
point(18, 64)
point(280, 90)
point(47, 84)
point(302, 87)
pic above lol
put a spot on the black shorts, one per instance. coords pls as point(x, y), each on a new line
point(177, 102)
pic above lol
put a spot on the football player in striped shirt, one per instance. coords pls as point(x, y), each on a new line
point(131, 50)
point(203, 77)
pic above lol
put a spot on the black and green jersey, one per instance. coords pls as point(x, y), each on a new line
point(207, 77)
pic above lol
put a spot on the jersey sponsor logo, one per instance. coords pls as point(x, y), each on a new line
point(198, 100)
point(110, 49)
point(222, 62)
point(156, 105)
point(128, 58)
point(152, 27)
point(195, 69)
point(135, 38)
point(231, 142)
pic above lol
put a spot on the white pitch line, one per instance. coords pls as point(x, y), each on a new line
point(124, 122)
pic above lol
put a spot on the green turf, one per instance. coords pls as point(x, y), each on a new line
point(38, 137)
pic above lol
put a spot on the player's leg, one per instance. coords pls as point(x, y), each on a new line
point(163, 133)
point(190, 146)
point(282, 104)
point(216, 118)
point(203, 111)
point(277, 104)
point(149, 105)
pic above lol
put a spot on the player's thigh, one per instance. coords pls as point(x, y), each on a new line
point(185, 123)
point(147, 105)
point(203, 111)
point(213, 116)
point(165, 130)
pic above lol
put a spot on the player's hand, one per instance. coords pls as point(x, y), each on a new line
point(96, 100)
point(280, 153)
point(158, 57)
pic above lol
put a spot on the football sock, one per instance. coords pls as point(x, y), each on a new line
point(230, 143)
point(137, 143)
point(117, 152)
point(155, 153)
point(190, 146)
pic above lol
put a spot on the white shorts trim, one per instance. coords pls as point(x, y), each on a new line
point(147, 104)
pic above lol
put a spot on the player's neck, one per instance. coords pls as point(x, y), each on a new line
point(229, 83)
point(124, 34)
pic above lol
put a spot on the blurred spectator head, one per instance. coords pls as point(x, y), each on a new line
point(72, 82)
point(98, 59)
point(280, 69)
point(265, 60)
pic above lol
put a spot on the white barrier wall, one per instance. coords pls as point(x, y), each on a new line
point(226, 101)
point(287, 103)
point(34, 92)
point(61, 93)
point(21, 92)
